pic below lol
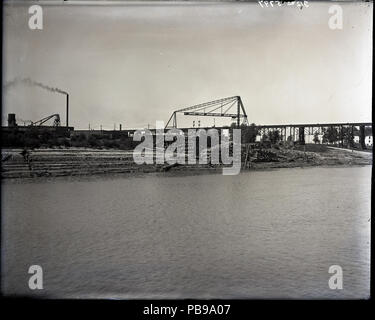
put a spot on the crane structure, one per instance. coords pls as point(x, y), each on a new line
point(56, 122)
point(231, 107)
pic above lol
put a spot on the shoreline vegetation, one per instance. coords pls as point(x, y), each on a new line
point(63, 161)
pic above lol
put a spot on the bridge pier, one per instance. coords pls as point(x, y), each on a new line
point(362, 136)
point(341, 136)
point(351, 141)
point(301, 134)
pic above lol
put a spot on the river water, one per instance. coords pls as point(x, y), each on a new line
point(264, 234)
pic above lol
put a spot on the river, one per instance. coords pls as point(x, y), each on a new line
point(261, 234)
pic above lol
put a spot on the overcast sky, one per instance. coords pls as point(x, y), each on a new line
point(135, 64)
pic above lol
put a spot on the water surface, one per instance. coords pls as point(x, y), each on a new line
point(265, 234)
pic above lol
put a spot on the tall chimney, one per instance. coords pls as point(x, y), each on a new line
point(67, 110)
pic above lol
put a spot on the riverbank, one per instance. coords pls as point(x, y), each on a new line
point(87, 162)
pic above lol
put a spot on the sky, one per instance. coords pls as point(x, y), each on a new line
point(135, 64)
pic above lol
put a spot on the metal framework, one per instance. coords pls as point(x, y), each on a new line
point(56, 122)
point(227, 107)
point(297, 132)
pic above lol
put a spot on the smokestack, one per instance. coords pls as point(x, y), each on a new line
point(120, 126)
point(67, 110)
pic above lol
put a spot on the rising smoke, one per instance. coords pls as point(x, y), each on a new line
point(30, 82)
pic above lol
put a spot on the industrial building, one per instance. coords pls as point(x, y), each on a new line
point(55, 128)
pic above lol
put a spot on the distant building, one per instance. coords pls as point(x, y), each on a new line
point(369, 141)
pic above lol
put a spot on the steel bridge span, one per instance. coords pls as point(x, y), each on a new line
point(298, 132)
point(233, 107)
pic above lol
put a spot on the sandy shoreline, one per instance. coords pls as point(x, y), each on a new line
point(54, 163)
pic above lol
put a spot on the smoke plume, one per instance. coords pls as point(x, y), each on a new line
point(30, 82)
